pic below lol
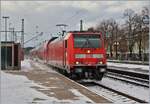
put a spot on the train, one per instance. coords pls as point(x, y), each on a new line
point(77, 54)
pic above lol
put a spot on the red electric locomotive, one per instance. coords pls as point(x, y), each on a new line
point(79, 54)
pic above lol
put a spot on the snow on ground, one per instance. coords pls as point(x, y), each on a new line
point(41, 66)
point(16, 89)
point(81, 97)
point(116, 99)
point(132, 66)
point(26, 65)
point(137, 91)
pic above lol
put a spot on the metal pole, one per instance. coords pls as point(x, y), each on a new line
point(36, 39)
point(116, 51)
point(15, 36)
point(5, 27)
point(22, 34)
point(143, 46)
point(149, 53)
point(10, 33)
point(116, 45)
point(0, 49)
point(6, 40)
point(13, 33)
point(81, 25)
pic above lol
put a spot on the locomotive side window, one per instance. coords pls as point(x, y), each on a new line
point(87, 41)
point(65, 43)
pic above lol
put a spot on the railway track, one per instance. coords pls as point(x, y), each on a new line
point(129, 73)
point(122, 96)
point(128, 79)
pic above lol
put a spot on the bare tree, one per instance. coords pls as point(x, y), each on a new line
point(134, 23)
point(103, 27)
point(114, 35)
point(109, 28)
point(131, 24)
point(127, 35)
point(138, 37)
point(144, 30)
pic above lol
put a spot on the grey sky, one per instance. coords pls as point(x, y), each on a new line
point(46, 14)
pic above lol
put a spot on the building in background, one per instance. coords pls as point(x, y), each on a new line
point(11, 56)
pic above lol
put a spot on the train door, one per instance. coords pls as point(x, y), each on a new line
point(65, 52)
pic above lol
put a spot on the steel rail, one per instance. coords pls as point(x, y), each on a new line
point(121, 93)
point(129, 73)
point(128, 81)
point(128, 77)
point(113, 90)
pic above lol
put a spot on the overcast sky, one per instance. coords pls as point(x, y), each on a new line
point(42, 16)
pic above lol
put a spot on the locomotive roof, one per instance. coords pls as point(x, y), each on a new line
point(44, 45)
point(53, 38)
point(67, 36)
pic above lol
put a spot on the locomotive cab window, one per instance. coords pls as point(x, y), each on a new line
point(87, 41)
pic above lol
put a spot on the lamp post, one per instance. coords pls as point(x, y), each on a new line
point(5, 17)
point(116, 45)
point(110, 37)
point(37, 32)
point(22, 33)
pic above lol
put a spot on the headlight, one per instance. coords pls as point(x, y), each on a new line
point(80, 56)
point(100, 62)
point(77, 62)
point(97, 55)
point(88, 51)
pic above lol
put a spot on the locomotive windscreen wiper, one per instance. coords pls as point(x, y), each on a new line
point(87, 41)
point(88, 44)
point(84, 44)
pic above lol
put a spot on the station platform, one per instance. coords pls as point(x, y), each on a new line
point(58, 86)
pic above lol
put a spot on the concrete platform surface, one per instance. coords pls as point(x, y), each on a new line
point(58, 86)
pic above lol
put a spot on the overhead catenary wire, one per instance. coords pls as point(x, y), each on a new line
point(33, 38)
point(69, 18)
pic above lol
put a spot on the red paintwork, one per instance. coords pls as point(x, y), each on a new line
point(54, 52)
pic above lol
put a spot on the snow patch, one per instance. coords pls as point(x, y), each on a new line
point(26, 65)
point(137, 91)
point(132, 66)
point(16, 89)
